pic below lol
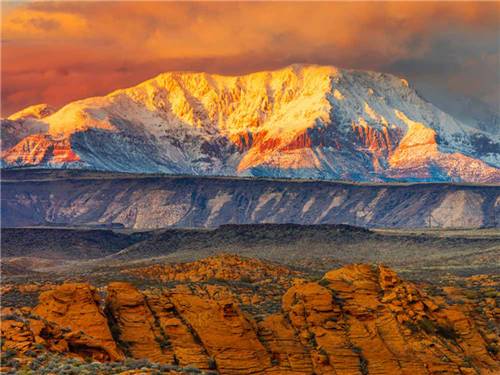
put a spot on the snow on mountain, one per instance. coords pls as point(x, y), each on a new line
point(24, 123)
point(302, 121)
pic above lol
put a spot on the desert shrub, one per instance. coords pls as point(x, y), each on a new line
point(490, 293)
point(16, 299)
point(8, 354)
point(492, 349)
point(246, 279)
point(30, 353)
point(212, 364)
point(411, 326)
point(191, 370)
point(163, 342)
point(447, 331)
point(11, 362)
point(312, 340)
point(468, 360)
point(427, 326)
point(356, 349)
point(14, 317)
point(443, 330)
point(363, 365)
point(324, 282)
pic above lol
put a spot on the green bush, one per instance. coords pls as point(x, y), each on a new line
point(427, 326)
point(448, 332)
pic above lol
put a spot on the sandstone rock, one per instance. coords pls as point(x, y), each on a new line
point(288, 354)
point(76, 306)
point(227, 335)
point(135, 324)
point(184, 343)
point(358, 319)
point(220, 267)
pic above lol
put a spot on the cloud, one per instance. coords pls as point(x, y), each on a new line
point(57, 52)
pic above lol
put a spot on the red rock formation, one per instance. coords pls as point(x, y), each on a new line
point(136, 325)
point(359, 319)
point(287, 353)
point(37, 149)
point(228, 336)
point(187, 349)
point(76, 306)
point(222, 267)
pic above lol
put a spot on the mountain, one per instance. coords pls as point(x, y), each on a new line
point(94, 199)
point(303, 121)
point(471, 111)
point(23, 124)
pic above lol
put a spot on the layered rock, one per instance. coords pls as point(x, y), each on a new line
point(288, 355)
point(359, 319)
point(221, 267)
point(42, 149)
point(228, 336)
point(31, 198)
point(183, 341)
point(28, 334)
point(135, 326)
point(77, 307)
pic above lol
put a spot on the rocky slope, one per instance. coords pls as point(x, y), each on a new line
point(140, 202)
point(300, 121)
point(359, 319)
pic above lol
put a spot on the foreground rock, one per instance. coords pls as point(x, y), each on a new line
point(135, 324)
point(76, 307)
point(359, 319)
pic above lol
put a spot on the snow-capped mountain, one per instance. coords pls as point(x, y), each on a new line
point(302, 121)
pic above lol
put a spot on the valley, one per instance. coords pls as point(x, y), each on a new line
point(67, 251)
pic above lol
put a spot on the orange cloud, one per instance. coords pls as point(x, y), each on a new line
point(56, 52)
point(36, 24)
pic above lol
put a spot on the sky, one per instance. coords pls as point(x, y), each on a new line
point(57, 52)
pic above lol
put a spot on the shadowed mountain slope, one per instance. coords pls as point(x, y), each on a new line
point(34, 198)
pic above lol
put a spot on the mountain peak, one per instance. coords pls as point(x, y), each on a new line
point(37, 111)
point(300, 121)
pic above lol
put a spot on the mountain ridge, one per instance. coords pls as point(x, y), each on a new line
point(301, 121)
point(42, 198)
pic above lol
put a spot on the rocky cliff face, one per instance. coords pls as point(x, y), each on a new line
point(359, 319)
point(300, 121)
point(155, 202)
point(76, 306)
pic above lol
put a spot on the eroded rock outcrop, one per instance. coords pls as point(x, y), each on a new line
point(135, 325)
point(221, 267)
point(77, 308)
point(359, 319)
point(185, 344)
point(362, 319)
point(227, 334)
